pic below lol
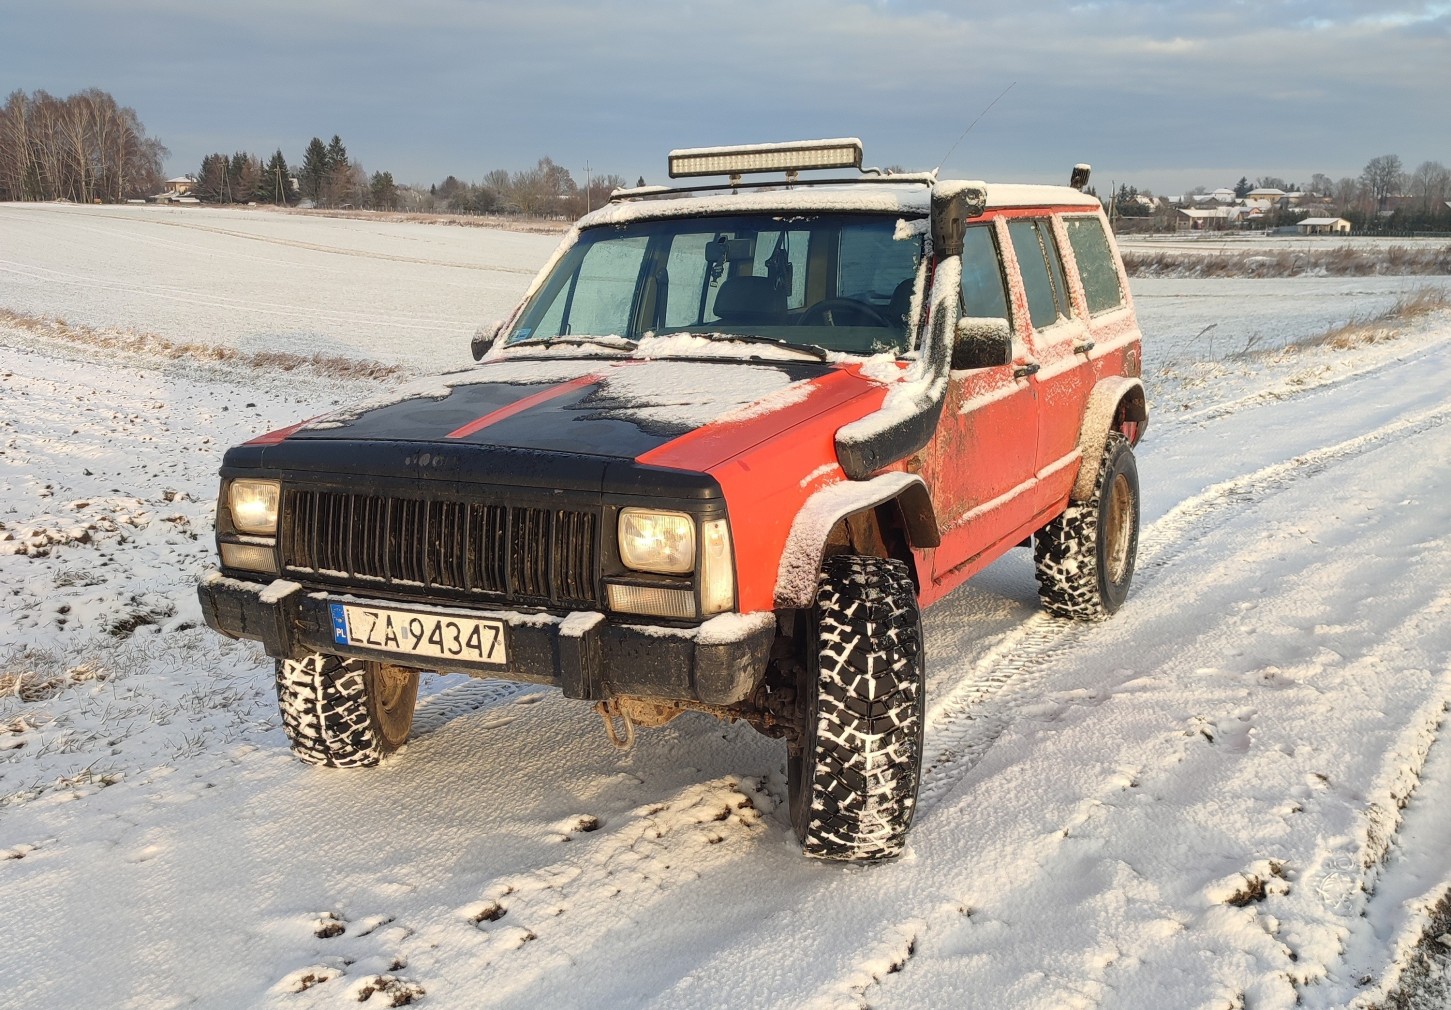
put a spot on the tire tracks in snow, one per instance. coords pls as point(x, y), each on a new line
point(963, 724)
point(193, 226)
point(437, 710)
point(188, 296)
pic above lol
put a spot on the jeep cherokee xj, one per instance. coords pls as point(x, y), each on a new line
point(731, 441)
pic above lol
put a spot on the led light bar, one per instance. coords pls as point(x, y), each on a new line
point(791, 157)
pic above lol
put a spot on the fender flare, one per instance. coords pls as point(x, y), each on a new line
point(805, 548)
point(1098, 417)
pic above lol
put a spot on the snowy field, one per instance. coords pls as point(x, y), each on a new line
point(1226, 797)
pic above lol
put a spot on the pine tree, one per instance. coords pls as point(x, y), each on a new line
point(211, 181)
point(237, 189)
point(275, 184)
point(337, 154)
point(314, 169)
point(334, 189)
point(1242, 188)
point(383, 191)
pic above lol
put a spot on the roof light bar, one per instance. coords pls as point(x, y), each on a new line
point(792, 157)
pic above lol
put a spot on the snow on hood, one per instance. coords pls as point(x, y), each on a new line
point(524, 371)
point(617, 408)
point(688, 394)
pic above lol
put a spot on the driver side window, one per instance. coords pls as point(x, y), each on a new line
point(984, 293)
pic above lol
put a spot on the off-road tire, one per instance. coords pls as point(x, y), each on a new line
point(344, 713)
point(1085, 557)
point(853, 775)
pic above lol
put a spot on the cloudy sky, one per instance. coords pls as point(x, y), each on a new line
point(1165, 95)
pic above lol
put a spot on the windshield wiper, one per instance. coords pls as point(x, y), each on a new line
point(622, 343)
point(753, 338)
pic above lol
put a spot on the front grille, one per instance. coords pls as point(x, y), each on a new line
point(508, 553)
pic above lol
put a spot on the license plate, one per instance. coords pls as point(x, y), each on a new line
point(410, 633)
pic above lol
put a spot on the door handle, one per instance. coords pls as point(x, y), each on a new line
point(1084, 347)
point(1023, 371)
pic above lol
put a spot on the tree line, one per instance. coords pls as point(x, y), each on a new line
point(328, 177)
point(546, 190)
point(1384, 197)
point(83, 148)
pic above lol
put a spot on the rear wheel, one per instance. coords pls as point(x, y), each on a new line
point(345, 713)
point(853, 775)
point(1085, 557)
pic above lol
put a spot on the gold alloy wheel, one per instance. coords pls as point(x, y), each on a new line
point(1119, 534)
point(392, 695)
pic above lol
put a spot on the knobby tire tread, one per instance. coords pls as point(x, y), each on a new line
point(861, 776)
point(324, 704)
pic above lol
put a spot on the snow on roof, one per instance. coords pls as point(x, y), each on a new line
point(787, 145)
point(911, 199)
point(1324, 220)
point(1009, 195)
point(1214, 212)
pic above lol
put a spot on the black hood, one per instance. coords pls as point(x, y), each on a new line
point(570, 424)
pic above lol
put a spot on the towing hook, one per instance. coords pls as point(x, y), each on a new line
point(609, 711)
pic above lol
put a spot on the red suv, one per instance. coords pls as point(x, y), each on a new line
point(732, 440)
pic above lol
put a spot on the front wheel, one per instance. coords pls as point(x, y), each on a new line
point(852, 775)
point(1085, 557)
point(345, 713)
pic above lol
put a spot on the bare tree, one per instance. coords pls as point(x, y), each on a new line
point(19, 179)
point(541, 190)
point(1348, 194)
point(1430, 184)
point(1383, 178)
point(85, 147)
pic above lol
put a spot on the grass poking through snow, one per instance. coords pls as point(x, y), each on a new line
point(140, 342)
point(1342, 261)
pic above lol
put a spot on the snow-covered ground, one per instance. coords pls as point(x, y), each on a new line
point(1227, 796)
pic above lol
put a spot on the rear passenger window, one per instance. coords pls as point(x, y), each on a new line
point(983, 292)
point(1042, 271)
point(1101, 286)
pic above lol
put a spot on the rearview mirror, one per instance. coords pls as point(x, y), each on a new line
point(982, 342)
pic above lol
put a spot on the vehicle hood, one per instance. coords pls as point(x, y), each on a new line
point(608, 409)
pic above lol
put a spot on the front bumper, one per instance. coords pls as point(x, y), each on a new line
point(721, 662)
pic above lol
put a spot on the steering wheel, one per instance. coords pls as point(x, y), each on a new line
point(844, 312)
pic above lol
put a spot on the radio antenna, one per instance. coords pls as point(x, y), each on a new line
point(970, 125)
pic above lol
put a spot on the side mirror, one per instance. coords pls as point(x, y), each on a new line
point(982, 342)
point(953, 205)
point(484, 338)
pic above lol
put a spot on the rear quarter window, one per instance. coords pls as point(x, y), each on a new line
point(1102, 288)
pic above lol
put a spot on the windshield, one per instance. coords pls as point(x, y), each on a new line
point(842, 282)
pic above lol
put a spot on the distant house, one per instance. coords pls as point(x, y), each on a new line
point(1218, 196)
point(1211, 218)
point(1264, 198)
point(177, 190)
point(1324, 226)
